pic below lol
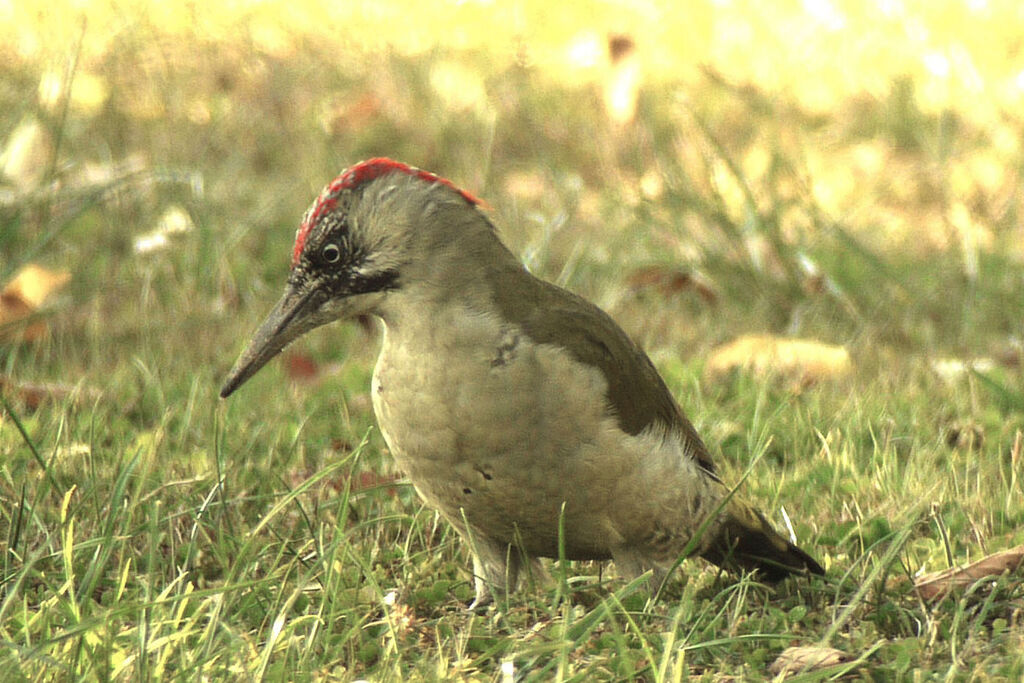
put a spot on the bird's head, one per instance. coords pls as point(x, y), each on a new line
point(369, 234)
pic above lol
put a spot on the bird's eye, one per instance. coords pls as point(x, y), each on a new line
point(330, 253)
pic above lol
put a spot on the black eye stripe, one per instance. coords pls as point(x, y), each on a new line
point(375, 282)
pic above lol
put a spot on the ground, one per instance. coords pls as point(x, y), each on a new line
point(844, 173)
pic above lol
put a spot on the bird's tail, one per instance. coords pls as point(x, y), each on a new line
point(746, 541)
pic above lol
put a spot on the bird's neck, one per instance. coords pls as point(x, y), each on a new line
point(462, 278)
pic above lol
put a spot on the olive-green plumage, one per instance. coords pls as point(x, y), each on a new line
point(515, 407)
point(640, 400)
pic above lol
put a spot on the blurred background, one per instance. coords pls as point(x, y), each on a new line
point(753, 148)
point(846, 171)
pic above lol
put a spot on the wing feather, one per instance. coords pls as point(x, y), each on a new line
point(636, 392)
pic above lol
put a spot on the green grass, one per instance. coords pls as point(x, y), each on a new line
point(152, 532)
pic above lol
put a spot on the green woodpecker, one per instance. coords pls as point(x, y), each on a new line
point(520, 411)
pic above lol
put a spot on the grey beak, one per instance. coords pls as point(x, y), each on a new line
point(293, 315)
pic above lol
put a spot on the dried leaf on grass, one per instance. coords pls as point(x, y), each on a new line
point(353, 112)
point(26, 156)
point(369, 480)
point(34, 284)
point(300, 367)
point(363, 481)
point(668, 281)
point(939, 584)
point(966, 434)
point(951, 369)
point(807, 658)
point(1011, 356)
point(174, 221)
point(401, 616)
point(805, 360)
point(85, 94)
point(23, 296)
point(621, 88)
point(33, 394)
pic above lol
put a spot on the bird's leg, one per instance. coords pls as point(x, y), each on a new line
point(631, 562)
point(496, 568)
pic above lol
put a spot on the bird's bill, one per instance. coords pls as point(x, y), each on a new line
point(294, 314)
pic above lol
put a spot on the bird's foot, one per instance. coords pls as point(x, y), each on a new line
point(480, 604)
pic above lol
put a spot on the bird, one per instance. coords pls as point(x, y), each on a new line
point(518, 410)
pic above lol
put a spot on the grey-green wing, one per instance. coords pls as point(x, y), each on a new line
point(636, 392)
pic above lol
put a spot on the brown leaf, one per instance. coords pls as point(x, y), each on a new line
point(668, 281)
point(23, 296)
point(300, 367)
point(1011, 356)
point(369, 479)
point(341, 445)
point(33, 394)
point(34, 284)
point(352, 114)
point(965, 434)
point(14, 309)
point(807, 658)
point(620, 46)
point(806, 360)
point(939, 584)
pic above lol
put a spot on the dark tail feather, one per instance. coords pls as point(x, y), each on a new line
point(746, 541)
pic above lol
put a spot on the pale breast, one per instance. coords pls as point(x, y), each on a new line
point(512, 435)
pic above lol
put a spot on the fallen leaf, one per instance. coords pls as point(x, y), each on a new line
point(526, 185)
point(402, 617)
point(346, 114)
point(652, 185)
point(300, 367)
point(174, 221)
point(341, 445)
point(965, 434)
point(91, 176)
point(1012, 356)
point(33, 394)
point(23, 296)
point(368, 480)
point(807, 658)
point(14, 309)
point(951, 369)
point(459, 88)
point(89, 92)
point(806, 360)
point(669, 281)
point(34, 284)
point(622, 83)
point(939, 584)
point(27, 155)
point(75, 452)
